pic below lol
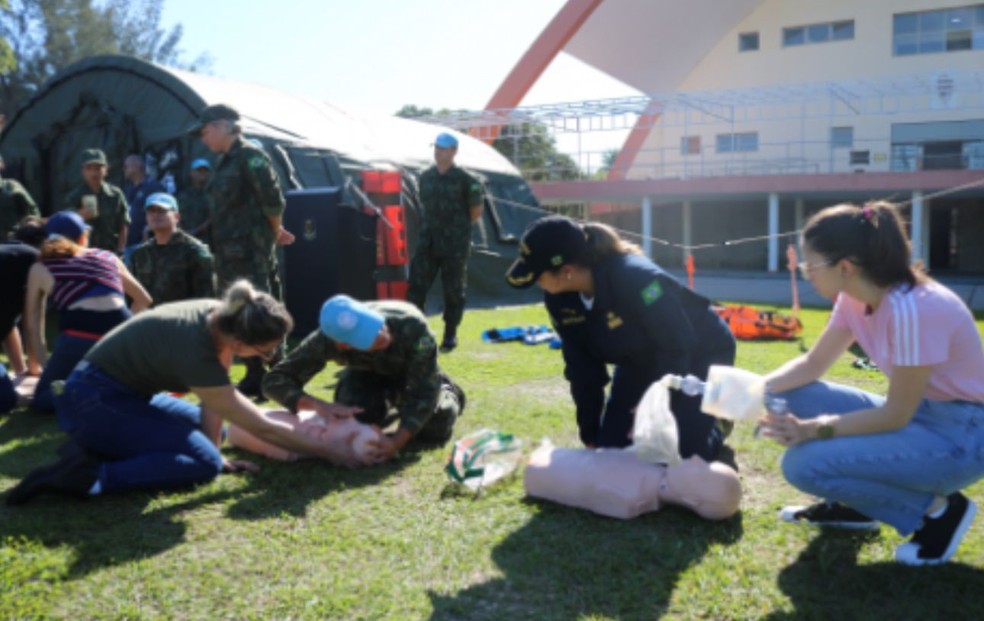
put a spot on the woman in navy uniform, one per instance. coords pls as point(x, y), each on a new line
point(611, 305)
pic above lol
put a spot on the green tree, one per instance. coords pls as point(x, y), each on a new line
point(529, 147)
point(45, 36)
point(7, 61)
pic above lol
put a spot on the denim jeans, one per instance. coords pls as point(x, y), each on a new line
point(891, 476)
point(147, 443)
point(66, 354)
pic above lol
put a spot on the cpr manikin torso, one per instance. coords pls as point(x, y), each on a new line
point(311, 425)
point(616, 483)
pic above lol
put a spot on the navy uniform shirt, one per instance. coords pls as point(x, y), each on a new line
point(640, 317)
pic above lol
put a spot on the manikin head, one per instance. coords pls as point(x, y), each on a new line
point(711, 490)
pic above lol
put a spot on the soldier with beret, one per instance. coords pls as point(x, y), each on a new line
point(452, 201)
point(172, 265)
point(390, 360)
point(15, 205)
point(196, 211)
point(612, 306)
point(247, 210)
point(101, 204)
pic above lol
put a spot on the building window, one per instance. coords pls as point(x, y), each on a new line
point(943, 30)
point(818, 33)
point(860, 157)
point(841, 137)
point(690, 145)
point(738, 143)
point(748, 42)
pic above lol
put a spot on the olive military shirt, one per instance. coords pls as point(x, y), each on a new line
point(113, 213)
point(15, 204)
point(181, 269)
point(447, 200)
point(411, 357)
point(245, 191)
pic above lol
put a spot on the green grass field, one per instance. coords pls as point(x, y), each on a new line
point(309, 541)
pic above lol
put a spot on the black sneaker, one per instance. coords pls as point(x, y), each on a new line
point(458, 392)
point(828, 514)
point(73, 475)
point(939, 538)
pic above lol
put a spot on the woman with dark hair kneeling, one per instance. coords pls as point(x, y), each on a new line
point(128, 436)
point(611, 305)
point(901, 459)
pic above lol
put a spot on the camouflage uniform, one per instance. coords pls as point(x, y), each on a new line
point(445, 239)
point(113, 212)
point(182, 269)
point(244, 191)
point(195, 210)
point(405, 375)
point(15, 205)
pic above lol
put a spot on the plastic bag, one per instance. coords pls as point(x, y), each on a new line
point(733, 393)
point(655, 435)
point(483, 457)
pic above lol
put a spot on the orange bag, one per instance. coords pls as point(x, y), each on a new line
point(752, 324)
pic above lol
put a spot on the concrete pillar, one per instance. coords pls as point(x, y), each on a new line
point(918, 234)
point(687, 220)
point(798, 217)
point(773, 232)
point(647, 226)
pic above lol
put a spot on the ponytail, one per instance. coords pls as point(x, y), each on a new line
point(252, 316)
point(871, 236)
point(604, 241)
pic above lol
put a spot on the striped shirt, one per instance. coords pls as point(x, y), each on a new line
point(926, 326)
point(92, 273)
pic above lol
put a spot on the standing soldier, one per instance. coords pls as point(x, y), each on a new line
point(452, 201)
point(195, 210)
point(15, 205)
point(172, 265)
point(247, 206)
point(101, 204)
point(390, 361)
point(136, 188)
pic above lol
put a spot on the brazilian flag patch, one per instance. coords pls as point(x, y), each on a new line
point(256, 162)
point(652, 292)
point(425, 344)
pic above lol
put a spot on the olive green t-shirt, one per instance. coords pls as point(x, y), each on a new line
point(166, 348)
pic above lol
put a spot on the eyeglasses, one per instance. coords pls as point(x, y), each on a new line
point(806, 268)
point(266, 355)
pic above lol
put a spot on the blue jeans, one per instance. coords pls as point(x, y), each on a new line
point(893, 476)
point(70, 348)
point(147, 443)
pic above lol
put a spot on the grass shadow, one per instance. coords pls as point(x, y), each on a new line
point(565, 563)
point(826, 582)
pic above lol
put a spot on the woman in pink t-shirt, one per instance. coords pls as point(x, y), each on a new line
point(901, 459)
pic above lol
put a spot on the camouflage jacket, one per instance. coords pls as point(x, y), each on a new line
point(244, 191)
point(195, 209)
point(113, 213)
point(447, 200)
point(182, 269)
point(15, 204)
point(410, 357)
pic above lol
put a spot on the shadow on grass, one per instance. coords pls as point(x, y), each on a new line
point(566, 563)
point(826, 582)
point(290, 487)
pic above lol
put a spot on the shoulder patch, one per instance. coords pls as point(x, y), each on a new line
point(256, 162)
point(425, 343)
point(652, 292)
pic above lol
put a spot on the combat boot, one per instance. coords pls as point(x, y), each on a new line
point(450, 340)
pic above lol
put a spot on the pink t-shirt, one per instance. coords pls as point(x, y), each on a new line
point(927, 326)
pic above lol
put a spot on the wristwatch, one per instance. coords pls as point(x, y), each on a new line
point(825, 430)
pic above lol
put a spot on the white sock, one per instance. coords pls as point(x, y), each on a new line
point(96, 488)
point(938, 512)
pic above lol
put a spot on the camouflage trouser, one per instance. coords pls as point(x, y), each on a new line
point(378, 396)
point(454, 274)
point(227, 272)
